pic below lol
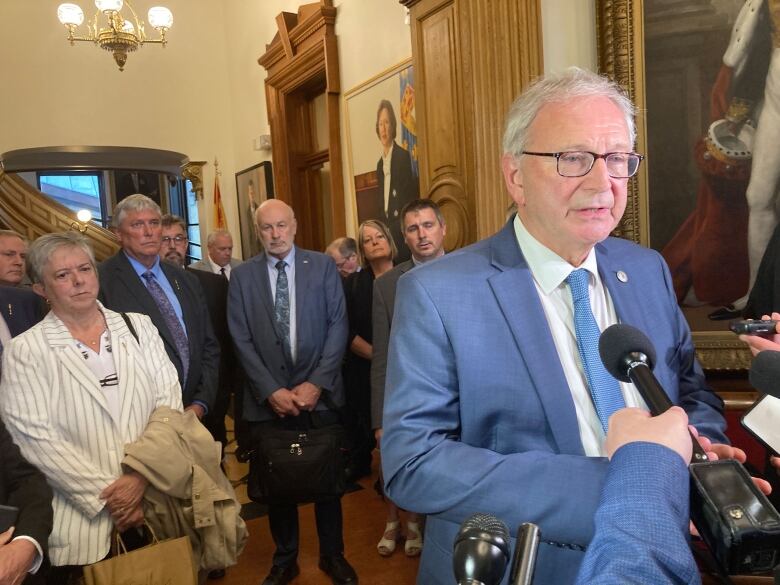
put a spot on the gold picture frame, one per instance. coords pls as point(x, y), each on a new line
point(622, 56)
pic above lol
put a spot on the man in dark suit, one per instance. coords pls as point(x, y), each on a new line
point(22, 486)
point(20, 309)
point(288, 320)
point(134, 280)
point(13, 251)
point(215, 289)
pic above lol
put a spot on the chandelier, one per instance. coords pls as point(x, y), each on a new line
point(121, 36)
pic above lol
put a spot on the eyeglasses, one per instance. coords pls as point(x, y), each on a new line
point(178, 239)
point(343, 263)
point(620, 165)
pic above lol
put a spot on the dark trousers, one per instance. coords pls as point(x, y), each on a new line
point(283, 518)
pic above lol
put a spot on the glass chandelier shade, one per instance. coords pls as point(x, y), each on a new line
point(112, 5)
point(70, 14)
point(160, 17)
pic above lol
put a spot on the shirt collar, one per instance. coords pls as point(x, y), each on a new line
point(140, 268)
point(214, 266)
point(290, 259)
point(548, 269)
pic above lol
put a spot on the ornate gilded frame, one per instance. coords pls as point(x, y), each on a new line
point(619, 25)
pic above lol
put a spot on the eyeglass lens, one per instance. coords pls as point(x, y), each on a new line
point(620, 165)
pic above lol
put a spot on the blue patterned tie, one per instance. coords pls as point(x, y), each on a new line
point(171, 320)
point(604, 389)
point(282, 307)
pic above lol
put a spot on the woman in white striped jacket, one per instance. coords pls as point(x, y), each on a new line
point(75, 389)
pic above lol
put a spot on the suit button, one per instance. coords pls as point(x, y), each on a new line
point(283, 367)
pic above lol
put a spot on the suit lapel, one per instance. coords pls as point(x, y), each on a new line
point(623, 290)
point(302, 283)
point(57, 336)
point(126, 367)
point(263, 285)
point(514, 289)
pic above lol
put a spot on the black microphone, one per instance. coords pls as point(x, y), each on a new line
point(524, 559)
point(481, 551)
point(629, 356)
point(765, 373)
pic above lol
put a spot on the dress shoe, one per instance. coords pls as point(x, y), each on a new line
point(281, 575)
point(339, 570)
point(217, 574)
point(724, 313)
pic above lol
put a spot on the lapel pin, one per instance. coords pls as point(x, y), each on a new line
point(305, 261)
point(622, 276)
point(10, 310)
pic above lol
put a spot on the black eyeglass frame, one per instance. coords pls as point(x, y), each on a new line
point(557, 156)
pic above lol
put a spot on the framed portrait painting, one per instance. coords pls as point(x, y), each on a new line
point(253, 186)
point(382, 148)
point(698, 107)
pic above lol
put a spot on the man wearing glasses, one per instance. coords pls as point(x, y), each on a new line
point(344, 254)
point(496, 399)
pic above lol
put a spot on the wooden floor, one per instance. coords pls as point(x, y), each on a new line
point(364, 521)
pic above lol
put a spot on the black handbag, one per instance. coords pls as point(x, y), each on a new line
point(297, 465)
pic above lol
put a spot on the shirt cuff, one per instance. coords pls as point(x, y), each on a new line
point(38, 559)
point(203, 405)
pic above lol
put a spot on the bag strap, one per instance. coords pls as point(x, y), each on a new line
point(130, 326)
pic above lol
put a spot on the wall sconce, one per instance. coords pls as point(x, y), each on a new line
point(84, 216)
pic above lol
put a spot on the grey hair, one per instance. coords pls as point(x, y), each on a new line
point(345, 246)
point(215, 234)
point(572, 82)
point(41, 251)
point(133, 204)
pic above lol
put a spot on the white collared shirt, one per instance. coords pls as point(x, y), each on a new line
point(217, 269)
point(386, 158)
point(273, 274)
point(550, 272)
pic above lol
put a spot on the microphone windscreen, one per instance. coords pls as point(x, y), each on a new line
point(481, 522)
point(619, 340)
point(481, 550)
point(765, 373)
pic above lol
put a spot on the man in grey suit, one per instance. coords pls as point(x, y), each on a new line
point(135, 280)
point(423, 229)
point(219, 259)
point(287, 316)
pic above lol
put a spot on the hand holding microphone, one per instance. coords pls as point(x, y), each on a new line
point(669, 429)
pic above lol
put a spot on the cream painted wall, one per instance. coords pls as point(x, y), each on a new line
point(569, 34)
point(203, 95)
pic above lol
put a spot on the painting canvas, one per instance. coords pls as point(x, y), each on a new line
point(382, 136)
point(696, 125)
point(253, 186)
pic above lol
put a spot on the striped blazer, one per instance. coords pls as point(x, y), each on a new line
point(56, 412)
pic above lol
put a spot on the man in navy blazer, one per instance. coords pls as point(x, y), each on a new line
point(137, 224)
point(20, 308)
point(488, 406)
point(292, 360)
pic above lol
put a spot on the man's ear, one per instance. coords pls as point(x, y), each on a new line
point(513, 178)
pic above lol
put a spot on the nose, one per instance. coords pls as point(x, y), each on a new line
point(598, 177)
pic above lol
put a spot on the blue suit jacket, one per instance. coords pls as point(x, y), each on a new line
point(642, 521)
point(478, 414)
point(321, 321)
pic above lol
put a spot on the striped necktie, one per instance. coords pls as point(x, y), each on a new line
point(171, 320)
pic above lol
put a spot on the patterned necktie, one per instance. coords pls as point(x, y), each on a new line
point(171, 320)
point(282, 307)
point(223, 273)
point(604, 389)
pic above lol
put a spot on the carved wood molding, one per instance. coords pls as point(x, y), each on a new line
point(28, 211)
point(193, 171)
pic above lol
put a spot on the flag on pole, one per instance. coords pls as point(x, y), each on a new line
point(220, 223)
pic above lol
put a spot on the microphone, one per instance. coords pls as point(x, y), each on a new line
point(765, 373)
point(629, 356)
point(481, 550)
point(524, 559)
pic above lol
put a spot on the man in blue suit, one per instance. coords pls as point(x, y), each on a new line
point(288, 320)
point(494, 401)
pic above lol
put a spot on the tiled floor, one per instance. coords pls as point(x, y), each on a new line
point(364, 520)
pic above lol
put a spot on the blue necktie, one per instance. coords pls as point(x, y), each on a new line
point(282, 307)
point(604, 389)
point(171, 320)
